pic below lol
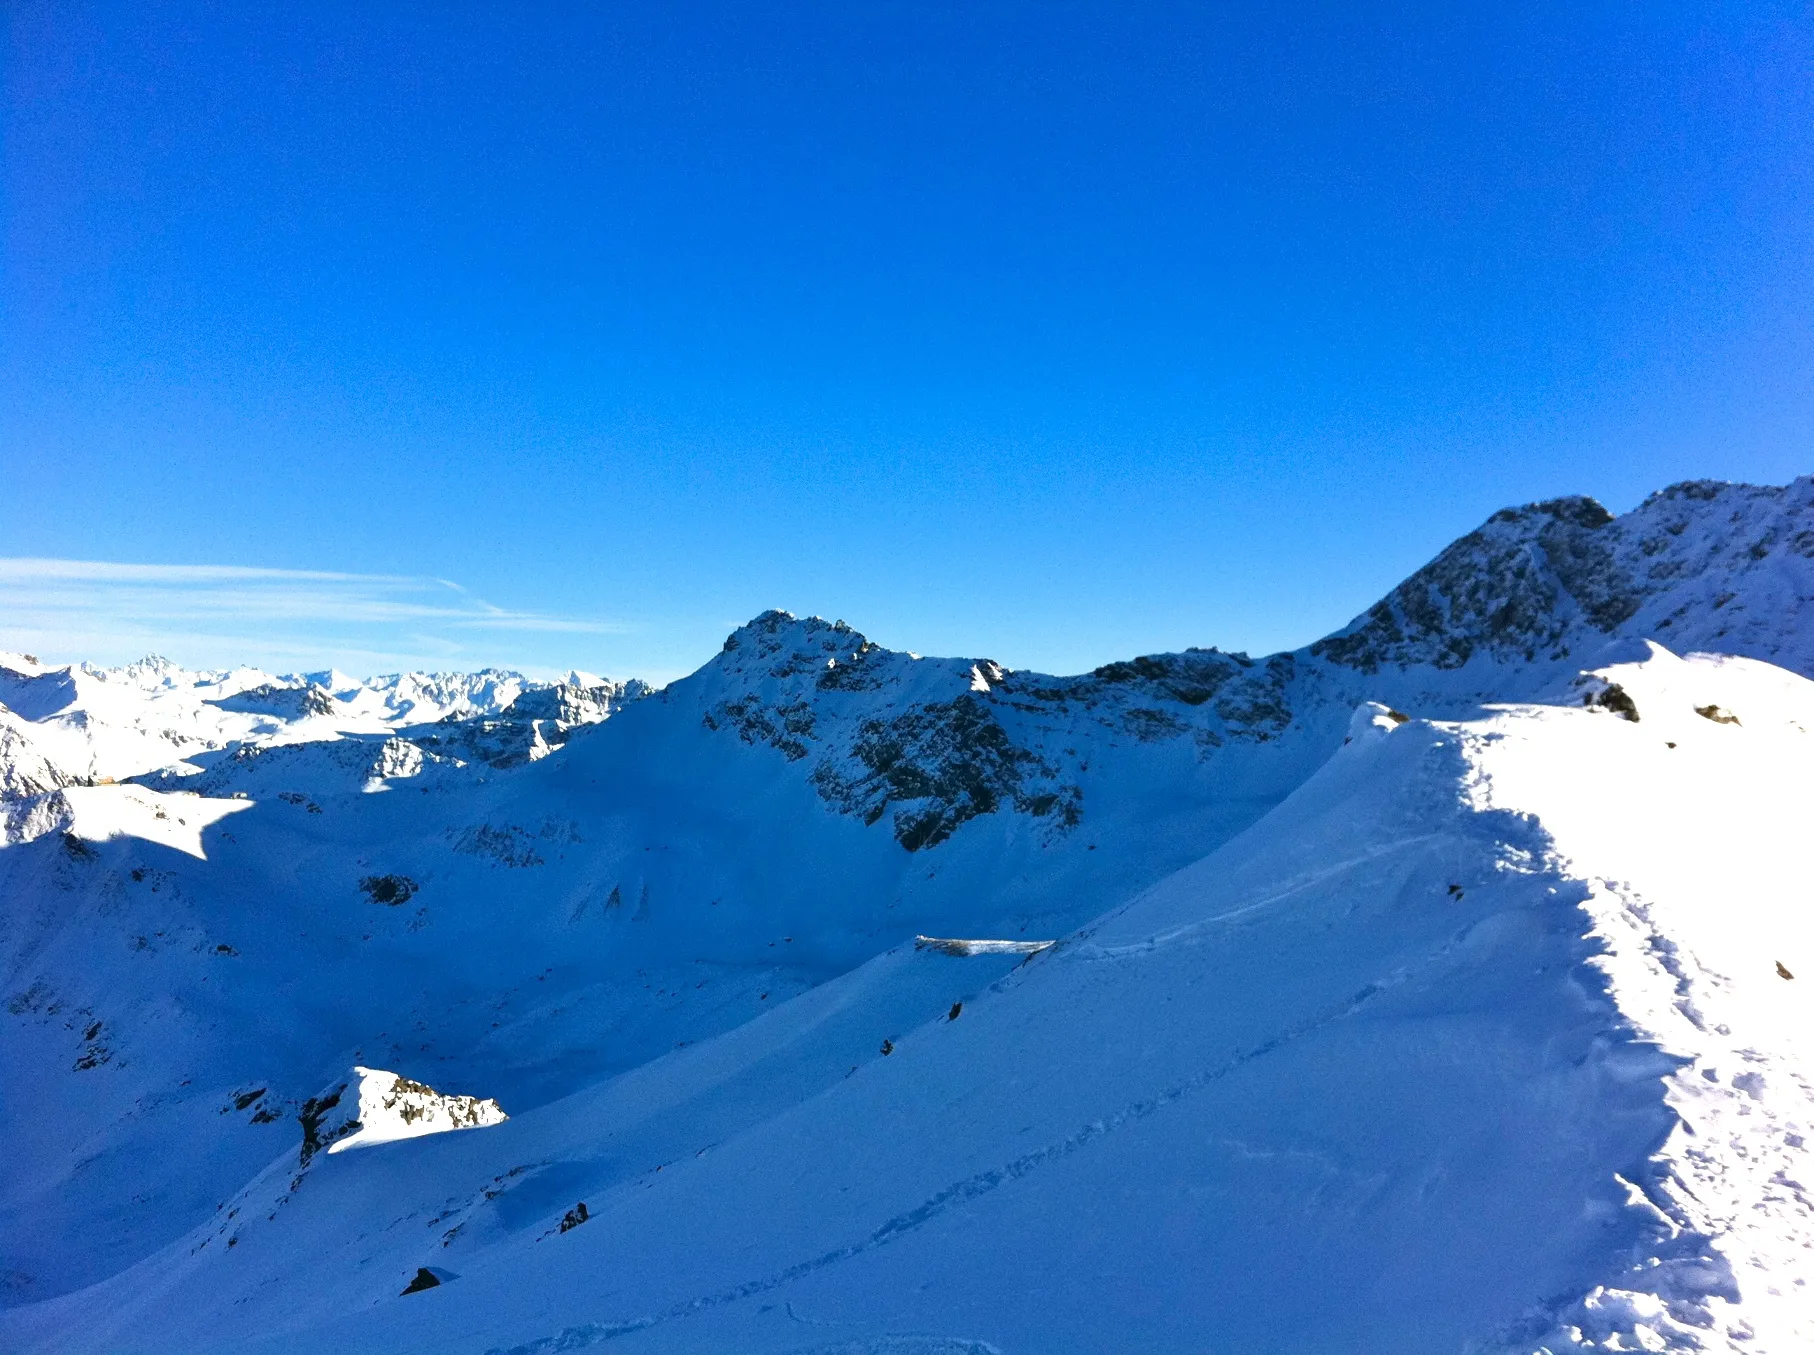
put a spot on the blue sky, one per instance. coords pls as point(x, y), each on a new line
point(573, 336)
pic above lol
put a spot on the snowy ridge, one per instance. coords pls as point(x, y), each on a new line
point(1534, 596)
point(1551, 579)
point(1439, 986)
point(1702, 953)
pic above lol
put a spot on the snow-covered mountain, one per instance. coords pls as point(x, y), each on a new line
point(1433, 987)
point(209, 731)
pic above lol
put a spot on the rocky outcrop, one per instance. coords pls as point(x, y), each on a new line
point(375, 1106)
point(539, 721)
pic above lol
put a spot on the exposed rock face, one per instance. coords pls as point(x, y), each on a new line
point(390, 890)
point(945, 762)
point(529, 728)
point(930, 744)
point(1611, 696)
point(325, 1121)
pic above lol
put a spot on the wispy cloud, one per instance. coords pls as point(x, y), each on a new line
point(19, 568)
point(218, 615)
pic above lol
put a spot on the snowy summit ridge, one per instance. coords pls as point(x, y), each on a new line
point(1538, 582)
point(1439, 986)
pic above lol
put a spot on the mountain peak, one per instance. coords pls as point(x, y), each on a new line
point(1576, 509)
point(1541, 582)
point(776, 628)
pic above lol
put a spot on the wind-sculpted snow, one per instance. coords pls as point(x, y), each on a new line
point(1377, 1020)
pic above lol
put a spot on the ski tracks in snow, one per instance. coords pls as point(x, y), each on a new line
point(959, 1193)
point(1185, 932)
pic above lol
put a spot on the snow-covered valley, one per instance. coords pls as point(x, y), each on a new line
point(1440, 986)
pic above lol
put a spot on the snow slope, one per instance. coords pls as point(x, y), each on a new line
point(1285, 1089)
point(1401, 1068)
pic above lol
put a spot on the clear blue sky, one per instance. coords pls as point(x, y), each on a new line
point(1049, 332)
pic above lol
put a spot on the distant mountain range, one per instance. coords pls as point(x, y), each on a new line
point(1415, 990)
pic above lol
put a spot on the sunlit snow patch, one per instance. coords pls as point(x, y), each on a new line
point(92, 814)
point(392, 1107)
point(950, 945)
